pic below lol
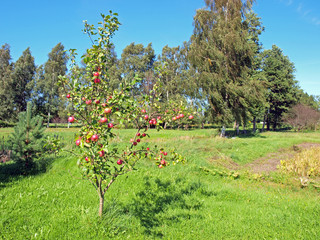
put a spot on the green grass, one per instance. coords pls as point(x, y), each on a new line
point(177, 202)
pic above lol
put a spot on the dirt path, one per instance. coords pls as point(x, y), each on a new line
point(270, 162)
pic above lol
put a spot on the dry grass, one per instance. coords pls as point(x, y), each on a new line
point(305, 163)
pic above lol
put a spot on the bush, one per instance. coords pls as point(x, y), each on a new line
point(302, 117)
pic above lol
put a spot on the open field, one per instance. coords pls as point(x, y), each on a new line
point(187, 201)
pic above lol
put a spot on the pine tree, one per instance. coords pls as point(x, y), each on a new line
point(27, 140)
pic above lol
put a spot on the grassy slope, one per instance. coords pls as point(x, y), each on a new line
point(178, 202)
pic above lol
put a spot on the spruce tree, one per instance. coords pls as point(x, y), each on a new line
point(283, 91)
point(27, 140)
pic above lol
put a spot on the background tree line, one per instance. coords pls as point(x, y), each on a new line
point(222, 71)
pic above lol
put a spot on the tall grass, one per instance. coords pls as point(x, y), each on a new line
point(306, 163)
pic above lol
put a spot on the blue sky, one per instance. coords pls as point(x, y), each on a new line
point(293, 25)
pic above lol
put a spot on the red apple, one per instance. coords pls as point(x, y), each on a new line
point(78, 142)
point(165, 153)
point(87, 159)
point(110, 125)
point(119, 162)
point(181, 115)
point(138, 140)
point(88, 140)
point(71, 119)
point(148, 149)
point(68, 96)
point(88, 102)
point(163, 162)
point(160, 166)
point(159, 117)
point(131, 140)
point(174, 118)
point(143, 111)
point(138, 134)
point(103, 120)
point(150, 122)
point(103, 104)
point(96, 74)
point(97, 101)
point(97, 80)
point(94, 137)
point(101, 153)
point(146, 117)
point(107, 110)
point(135, 143)
point(83, 98)
point(143, 134)
point(190, 117)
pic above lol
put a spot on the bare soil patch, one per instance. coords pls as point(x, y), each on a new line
point(267, 163)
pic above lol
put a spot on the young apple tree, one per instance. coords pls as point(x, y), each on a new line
point(99, 110)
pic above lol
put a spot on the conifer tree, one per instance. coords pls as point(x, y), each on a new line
point(27, 140)
point(283, 91)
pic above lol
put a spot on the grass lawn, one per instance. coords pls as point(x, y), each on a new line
point(176, 202)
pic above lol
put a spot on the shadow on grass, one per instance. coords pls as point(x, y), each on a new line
point(11, 171)
point(165, 202)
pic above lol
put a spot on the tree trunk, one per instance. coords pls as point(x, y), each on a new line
point(48, 119)
point(268, 123)
point(274, 125)
point(264, 123)
point(236, 126)
point(254, 125)
point(223, 131)
point(101, 204)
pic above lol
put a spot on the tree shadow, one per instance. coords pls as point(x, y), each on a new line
point(159, 197)
point(11, 171)
point(244, 134)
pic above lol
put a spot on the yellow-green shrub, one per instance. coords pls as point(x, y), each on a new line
point(304, 163)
